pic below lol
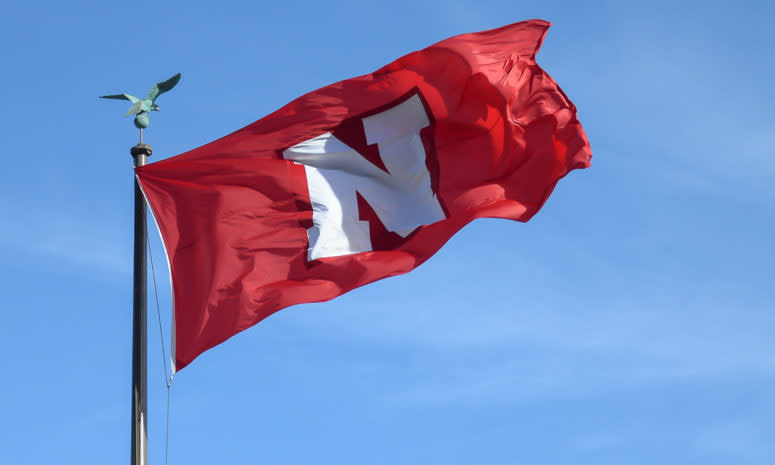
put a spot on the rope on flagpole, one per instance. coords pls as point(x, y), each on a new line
point(167, 377)
point(158, 311)
point(167, 433)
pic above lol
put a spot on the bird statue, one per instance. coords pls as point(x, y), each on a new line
point(143, 108)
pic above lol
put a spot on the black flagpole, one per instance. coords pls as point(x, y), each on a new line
point(140, 153)
point(142, 109)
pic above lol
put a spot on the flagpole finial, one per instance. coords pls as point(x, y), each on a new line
point(142, 108)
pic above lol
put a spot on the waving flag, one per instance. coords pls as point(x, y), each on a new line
point(360, 180)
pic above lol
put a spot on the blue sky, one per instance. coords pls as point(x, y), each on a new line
point(629, 322)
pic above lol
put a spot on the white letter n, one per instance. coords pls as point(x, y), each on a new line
point(402, 197)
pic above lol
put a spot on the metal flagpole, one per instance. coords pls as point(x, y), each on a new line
point(140, 153)
point(142, 109)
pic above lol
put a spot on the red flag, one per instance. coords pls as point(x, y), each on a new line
point(360, 180)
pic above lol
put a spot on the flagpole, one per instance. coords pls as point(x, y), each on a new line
point(140, 153)
point(142, 109)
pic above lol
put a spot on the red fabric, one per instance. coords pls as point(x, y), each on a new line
point(233, 213)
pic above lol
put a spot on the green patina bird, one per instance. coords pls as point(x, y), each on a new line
point(143, 107)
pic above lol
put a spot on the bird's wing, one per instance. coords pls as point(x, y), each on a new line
point(131, 98)
point(135, 108)
point(162, 87)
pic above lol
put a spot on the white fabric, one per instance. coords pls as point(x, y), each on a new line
point(403, 198)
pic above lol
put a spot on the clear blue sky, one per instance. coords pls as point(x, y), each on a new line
point(630, 322)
